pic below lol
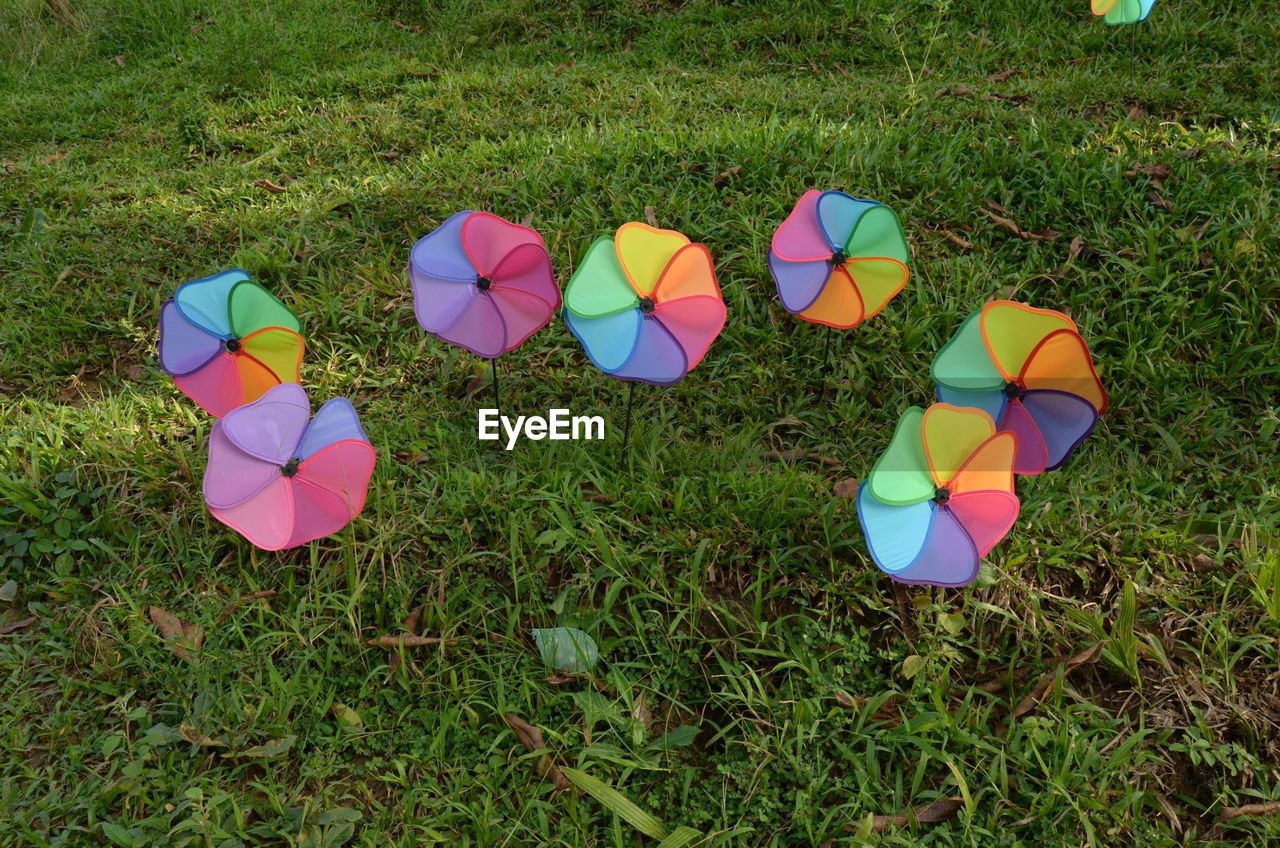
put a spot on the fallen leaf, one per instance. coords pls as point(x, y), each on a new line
point(726, 175)
point(269, 186)
point(57, 157)
point(559, 679)
point(531, 738)
point(408, 640)
point(253, 596)
point(846, 489)
point(566, 649)
point(9, 590)
point(195, 737)
point(800, 453)
point(135, 372)
point(1079, 249)
point(273, 748)
point(1136, 112)
point(640, 709)
point(527, 220)
point(119, 60)
point(8, 388)
point(954, 91)
point(346, 716)
point(846, 700)
point(1009, 98)
point(1156, 173)
point(995, 207)
point(1001, 76)
point(1045, 685)
point(406, 27)
point(936, 812)
point(409, 458)
point(184, 638)
point(651, 215)
point(1263, 809)
point(411, 622)
point(1157, 200)
point(1009, 226)
point(15, 626)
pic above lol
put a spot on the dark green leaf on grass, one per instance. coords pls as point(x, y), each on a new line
point(679, 737)
point(566, 649)
point(274, 748)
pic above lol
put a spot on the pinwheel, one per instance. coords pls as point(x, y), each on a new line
point(1032, 372)
point(226, 340)
point(281, 478)
point(940, 497)
point(482, 283)
point(838, 260)
point(1122, 11)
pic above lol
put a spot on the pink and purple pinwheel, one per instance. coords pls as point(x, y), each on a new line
point(482, 283)
point(281, 478)
point(226, 340)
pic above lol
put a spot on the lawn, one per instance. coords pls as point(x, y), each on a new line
point(720, 568)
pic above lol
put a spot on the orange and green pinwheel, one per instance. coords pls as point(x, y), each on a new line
point(1031, 371)
point(940, 497)
point(1122, 11)
point(838, 260)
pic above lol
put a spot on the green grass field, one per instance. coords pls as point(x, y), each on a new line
point(728, 591)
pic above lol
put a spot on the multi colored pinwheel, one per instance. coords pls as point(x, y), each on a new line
point(645, 304)
point(482, 283)
point(281, 478)
point(226, 340)
point(1031, 371)
point(838, 260)
point(1122, 11)
point(940, 497)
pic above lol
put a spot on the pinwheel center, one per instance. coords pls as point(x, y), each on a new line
point(233, 345)
point(483, 283)
point(646, 305)
point(290, 468)
point(1012, 390)
point(941, 495)
point(838, 259)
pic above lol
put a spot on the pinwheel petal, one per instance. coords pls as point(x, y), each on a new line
point(1061, 362)
point(877, 234)
point(989, 468)
point(317, 513)
point(216, 386)
point(1032, 457)
point(1063, 419)
point(528, 269)
point(949, 556)
point(487, 239)
point(440, 252)
point(1013, 330)
point(252, 308)
point(951, 435)
point(901, 474)
point(523, 314)
point(266, 519)
point(271, 427)
point(279, 350)
point(644, 252)
point(203, 302)
point(609, 341)
point(800, 237)
point(839, 304)
point(990, 402)
point(233, 476)
point(878, 281)
point(690, 273)
point(184, 347)
point(986, 516)
point(799, 283)
point(479, 328)
point(839, 214)
point(1129, 12)
point(599, 286)
point(658, 357)
point(334, 422)
point(256, 379)
point(343, 470)
point(438, 301)
point(1101, 7)
point(694, 322)
point(965, 363)
point(895, 534)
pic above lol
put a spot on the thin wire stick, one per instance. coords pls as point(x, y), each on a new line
point(626, 427)
point(497, 400)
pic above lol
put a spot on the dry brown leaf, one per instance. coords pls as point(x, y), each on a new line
point(406, 27)
point(1156, 173)
point(800, 453)
point(15, 626)
point(409, 458)
point(651, 215)
point(995, 207)
point(941, 810)
point(184, 638)
point(57, 157)
point(640, 709)
point(1011, 227)
point(954, 91)
point(531, 738)
point(195, 737)
point(1263, 809)
point(1137, 113)
point(408, 640)
point(269, 186)
point(411, 623)
point(1157, 200)
point(846, 700)
point(1045, 685)
point(1001, 76)
point(253, 596)
point(119, 60)
point(527, 220)
point(846, 489)
point(559, 679)
point(726, 175)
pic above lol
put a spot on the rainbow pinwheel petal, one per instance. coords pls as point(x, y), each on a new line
point(1031, 371)
point(1122, 11)
point(482, 283)
point(281, 478)
point(645, 304)
point(838, 260)
point(940, 497)
point(226, 340)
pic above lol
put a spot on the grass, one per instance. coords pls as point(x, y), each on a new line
point(726, 591)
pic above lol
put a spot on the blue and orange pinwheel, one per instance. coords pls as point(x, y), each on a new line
point(1122, 11)
point(226, 341)
point(1032, 372)
point(838, 260)
point(645, 304)
point(940, 497)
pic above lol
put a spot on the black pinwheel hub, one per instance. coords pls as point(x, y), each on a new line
point(941, 496)
point(838, 259)
point(290, 468)
point(483, 283)
point(233, 345)
point(1012, 390)
point(646, 305)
